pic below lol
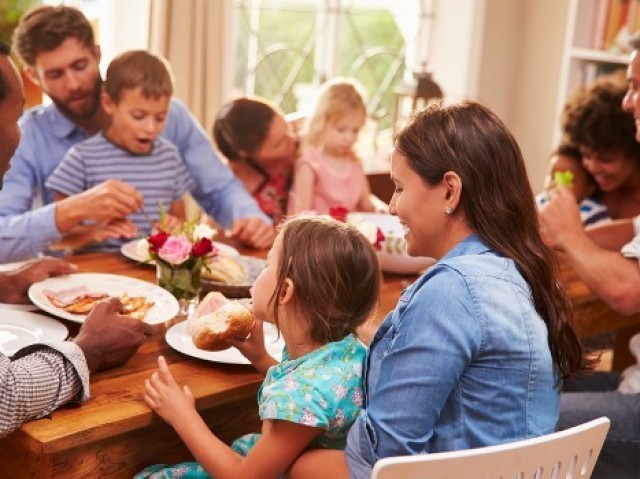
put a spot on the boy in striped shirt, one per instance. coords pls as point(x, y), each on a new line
point(136, 95)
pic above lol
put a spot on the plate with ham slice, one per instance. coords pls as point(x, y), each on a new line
point(72, 296)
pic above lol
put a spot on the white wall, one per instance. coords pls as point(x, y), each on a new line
point(534, 117)
point(506, 54)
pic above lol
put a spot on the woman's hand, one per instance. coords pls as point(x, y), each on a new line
point(166, 397)
point(253, 232)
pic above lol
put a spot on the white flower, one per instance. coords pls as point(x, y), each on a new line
point(203, 231)
point(368, 230)
point(142, 249)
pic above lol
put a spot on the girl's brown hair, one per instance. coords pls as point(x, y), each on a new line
point(497, 200)
point(138, 69)
point(335, 273)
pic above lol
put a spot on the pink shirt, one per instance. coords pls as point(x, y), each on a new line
point(331, 188)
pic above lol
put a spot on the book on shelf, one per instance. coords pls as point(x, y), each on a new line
point(599, 22)
point(616, 18)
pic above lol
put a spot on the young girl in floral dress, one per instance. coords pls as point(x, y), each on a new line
point(321, 282)
point(329, 174)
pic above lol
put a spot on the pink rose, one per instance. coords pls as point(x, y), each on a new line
point(175, 250)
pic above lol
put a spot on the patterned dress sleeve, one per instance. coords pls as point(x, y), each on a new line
point(324, 391)
point(38, 380)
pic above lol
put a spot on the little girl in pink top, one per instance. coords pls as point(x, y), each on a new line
point(329, 174)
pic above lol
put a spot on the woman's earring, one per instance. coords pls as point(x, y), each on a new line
point(448, 210)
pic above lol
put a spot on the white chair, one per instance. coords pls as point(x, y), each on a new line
point(569, 454)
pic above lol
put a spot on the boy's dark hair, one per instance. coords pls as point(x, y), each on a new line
point(138, 69)
point(567, 149)
point(44, 28)
point(335, 273)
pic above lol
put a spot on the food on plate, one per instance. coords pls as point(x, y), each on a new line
point(216, 320)
point(136, 306)
point(224, 269)
point(74, 298)
point(80, 300)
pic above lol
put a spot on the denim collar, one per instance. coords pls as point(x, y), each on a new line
point(472, 244)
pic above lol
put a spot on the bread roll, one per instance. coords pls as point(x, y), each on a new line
point(226, 270)
point(211, 331)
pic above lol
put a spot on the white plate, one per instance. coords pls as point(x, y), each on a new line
point(179, 339)
point(129, 249)
point(393, 255)
point(19, 329)
point(165, 306)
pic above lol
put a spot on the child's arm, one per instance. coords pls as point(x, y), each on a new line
point(82, 235)
point(301, 196)
point(254, 350)
point(276, 450)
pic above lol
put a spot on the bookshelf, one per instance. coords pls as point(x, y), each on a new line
point(595, 43)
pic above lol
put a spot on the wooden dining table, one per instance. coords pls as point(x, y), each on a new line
point(114, 434)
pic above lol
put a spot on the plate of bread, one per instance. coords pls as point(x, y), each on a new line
point(217, 319)
point(231, 276)
point(130, 250)
point(73, 296)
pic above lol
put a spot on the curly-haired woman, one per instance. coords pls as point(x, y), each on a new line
point(594, 121)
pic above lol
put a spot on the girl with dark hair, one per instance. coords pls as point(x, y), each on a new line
point(261, 148)
point(475, 352)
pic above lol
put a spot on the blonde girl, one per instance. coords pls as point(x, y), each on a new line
point(321, 282)
point(329, 174)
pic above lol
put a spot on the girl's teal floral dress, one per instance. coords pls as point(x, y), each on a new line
point(321, 389)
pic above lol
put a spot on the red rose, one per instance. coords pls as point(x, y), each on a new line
point(338, 213)
point(202, 247)
point(157, 241)
point(379, 239)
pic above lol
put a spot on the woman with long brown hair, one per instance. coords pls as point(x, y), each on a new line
point(475, 352)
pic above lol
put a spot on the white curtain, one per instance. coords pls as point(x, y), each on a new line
point(195, 36)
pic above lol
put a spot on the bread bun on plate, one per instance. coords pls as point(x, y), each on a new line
point(217, 320)
point(226, 270)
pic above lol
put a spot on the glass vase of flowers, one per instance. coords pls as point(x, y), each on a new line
point(180, 256)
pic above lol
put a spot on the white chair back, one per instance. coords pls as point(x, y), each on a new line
point(568, 454)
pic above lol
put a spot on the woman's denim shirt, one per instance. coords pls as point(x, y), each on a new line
point(462, 362)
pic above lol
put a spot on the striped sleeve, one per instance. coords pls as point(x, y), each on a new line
point(183, 180)
point(69, 177)
point(38, 380)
